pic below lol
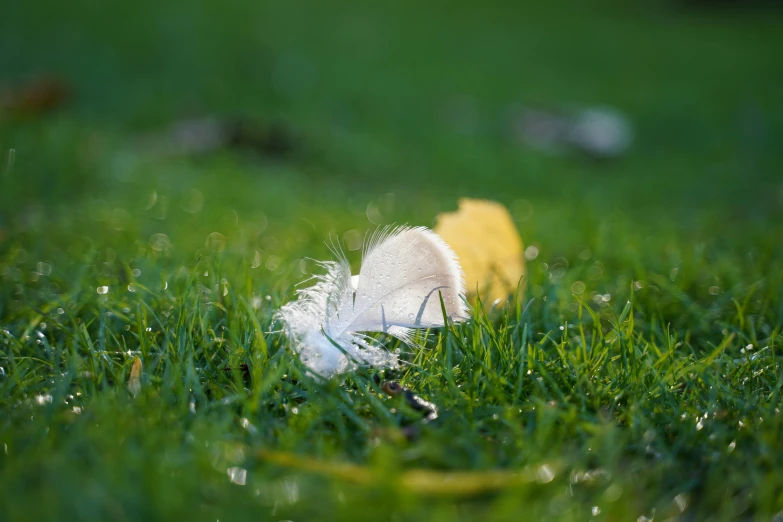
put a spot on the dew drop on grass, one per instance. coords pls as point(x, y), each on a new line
point(545, 474)
point(237, 475)
point(160, 242)
point(43, 268)
point(273, 263)
point(681, 501)
point(215, 242)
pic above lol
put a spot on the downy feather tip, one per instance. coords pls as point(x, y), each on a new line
point(404, 273)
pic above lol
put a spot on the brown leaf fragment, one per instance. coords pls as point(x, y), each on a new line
point(134, 383)
point(41, 95)
point(428, 409)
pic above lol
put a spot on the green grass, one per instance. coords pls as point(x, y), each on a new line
point(639, 378)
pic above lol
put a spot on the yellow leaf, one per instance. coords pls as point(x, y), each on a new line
point(483, 235)
point(420, 481)
point(134, 383)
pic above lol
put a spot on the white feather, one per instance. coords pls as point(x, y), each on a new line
point(404, 272)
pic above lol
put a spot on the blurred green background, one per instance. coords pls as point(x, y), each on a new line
point(355, 114)
point(417, 99)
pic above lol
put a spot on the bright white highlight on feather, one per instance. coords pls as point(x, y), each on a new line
point(403, 274)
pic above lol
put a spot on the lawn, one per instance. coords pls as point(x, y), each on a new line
point(638, 379)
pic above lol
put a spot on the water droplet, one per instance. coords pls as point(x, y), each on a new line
point(237, 475)
point(43, 399)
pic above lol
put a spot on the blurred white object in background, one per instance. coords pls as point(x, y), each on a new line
point(599, 132)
